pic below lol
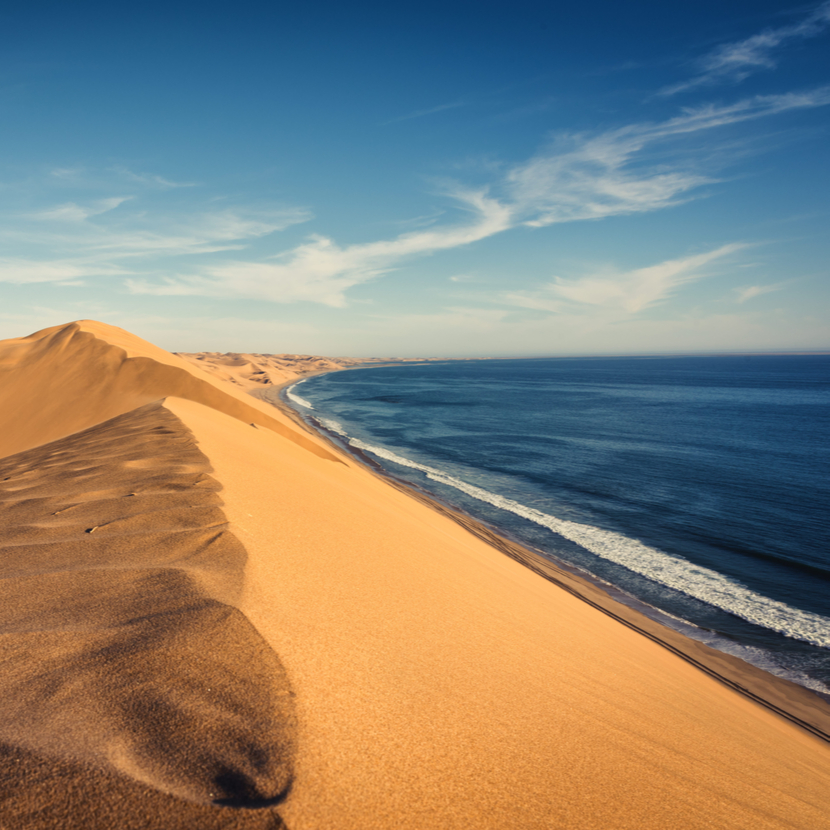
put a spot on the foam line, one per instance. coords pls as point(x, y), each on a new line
point(674, 572)
point(333, 426)
point(296, 398)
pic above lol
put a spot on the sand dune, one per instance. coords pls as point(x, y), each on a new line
point(125, 660)
point(207, 623)
point(64, 379)
point(253, 372)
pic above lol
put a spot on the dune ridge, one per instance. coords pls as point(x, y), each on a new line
point(130, 679)
point(314, 646)
point(262, 375)
point(124, 656)
point(65, 378)
point(253, 372)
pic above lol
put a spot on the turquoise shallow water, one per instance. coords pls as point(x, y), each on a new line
point(697, 485)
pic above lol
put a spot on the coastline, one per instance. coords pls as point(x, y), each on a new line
point(215, 618)
point(804, 707)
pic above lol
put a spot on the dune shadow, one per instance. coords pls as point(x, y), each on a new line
point(127, 675)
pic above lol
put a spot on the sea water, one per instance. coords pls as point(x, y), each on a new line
point(695, 486)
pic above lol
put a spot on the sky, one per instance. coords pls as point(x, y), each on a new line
point(431, 179)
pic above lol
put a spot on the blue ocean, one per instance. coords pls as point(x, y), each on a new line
point(695, 488)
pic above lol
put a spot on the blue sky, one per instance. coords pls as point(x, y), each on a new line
point(432, 179)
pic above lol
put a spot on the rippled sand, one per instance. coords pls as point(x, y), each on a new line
point(212, 619)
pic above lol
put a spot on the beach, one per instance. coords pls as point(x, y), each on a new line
point(216, 619)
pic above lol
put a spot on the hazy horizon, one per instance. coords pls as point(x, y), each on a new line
point(563, 356)
point(425, 180)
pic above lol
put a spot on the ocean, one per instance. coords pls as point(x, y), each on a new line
point(695, 488)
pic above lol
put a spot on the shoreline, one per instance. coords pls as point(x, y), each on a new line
point(804, 707)
point(215, 617)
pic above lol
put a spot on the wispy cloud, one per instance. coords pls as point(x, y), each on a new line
point(151, 179)
point(750, 291)
point(321, 271)
point(79, 239)
point(72, 212)
point(421, 113)
point(632, 169)
point(142, 235)
point(422, 221)
point(627, 291)
point(733, 62)
point(584, 177)
point(66, 272)
point(65, 172)
point(579, 178)
point(83, 177)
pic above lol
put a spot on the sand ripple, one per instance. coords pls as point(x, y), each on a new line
point(125, 665)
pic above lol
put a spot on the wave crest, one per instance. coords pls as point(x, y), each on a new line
point(674, 572)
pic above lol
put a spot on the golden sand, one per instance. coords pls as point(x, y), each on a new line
point(212, 619)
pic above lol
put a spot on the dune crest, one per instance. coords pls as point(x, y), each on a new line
point(121, 647)
point(135, 692)
point(256, 372)
point(63, 379)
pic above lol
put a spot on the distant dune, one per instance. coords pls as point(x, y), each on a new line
point(256, 372)
point(211, 618)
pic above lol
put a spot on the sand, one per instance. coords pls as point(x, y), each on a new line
point(261, 374)
point(255, 372)
point(259, 630)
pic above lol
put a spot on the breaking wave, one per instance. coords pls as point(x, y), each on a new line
point(674, 572)
point(289, 393)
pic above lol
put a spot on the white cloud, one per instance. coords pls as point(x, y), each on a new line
point(71, 212)
point(422, 221)
point(733, 62)
point(151, 179)
point(208, 232)
point(748, 292)
point(66, 172)
point(579, 177)
point(541, 300)
point(71, 242)
point(626, 291)
point(321, 271)
point(591, 178)
point(25, 271)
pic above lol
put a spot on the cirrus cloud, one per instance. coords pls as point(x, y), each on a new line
point(321, 271)
point(578, 178)
point(636, 168)
point(734, 62)
point(628, 291)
